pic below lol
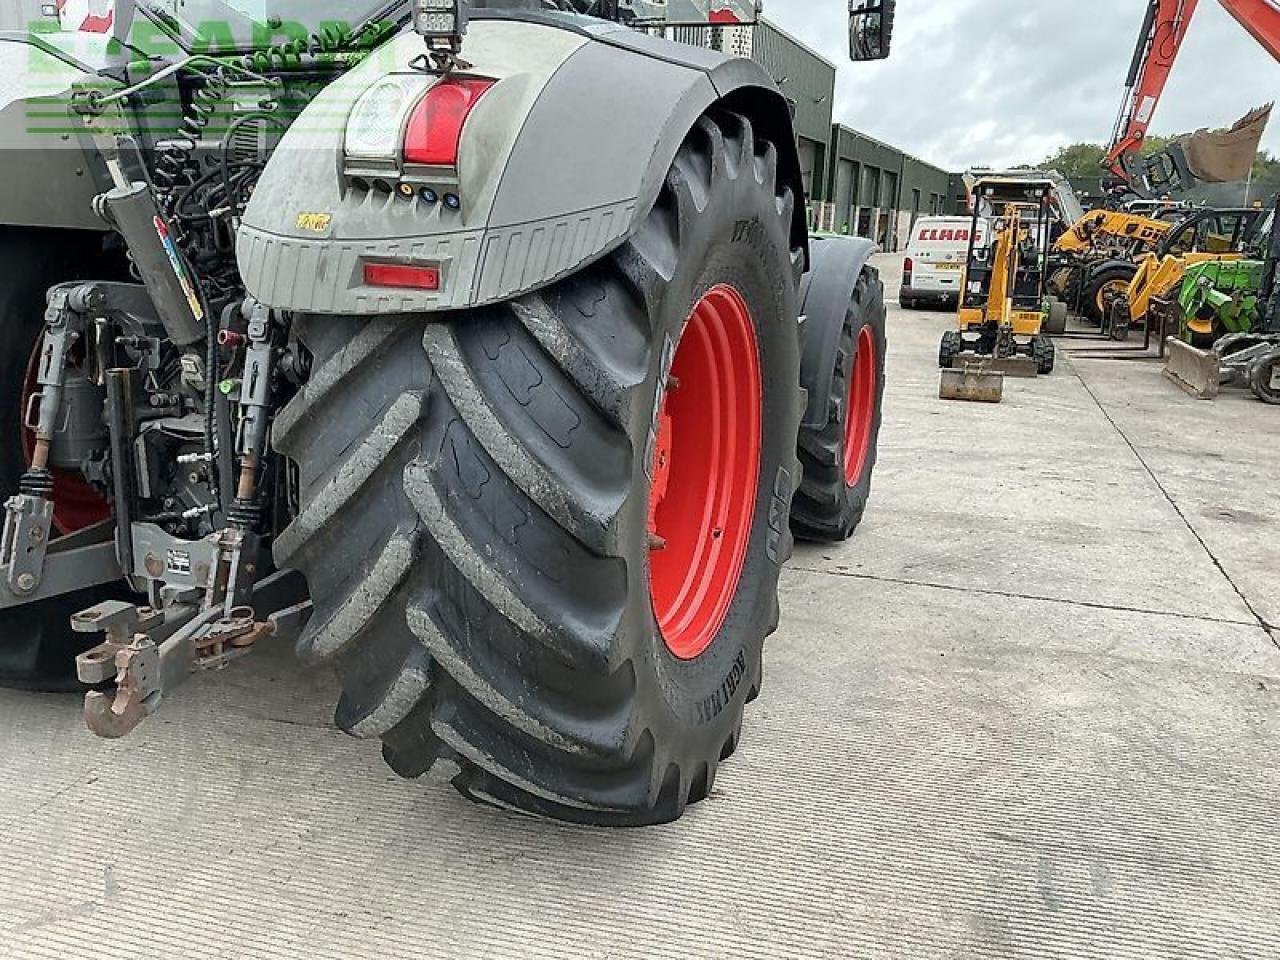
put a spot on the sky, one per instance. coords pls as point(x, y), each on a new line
point(1003, 82)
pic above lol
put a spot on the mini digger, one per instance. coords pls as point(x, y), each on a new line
point(1003, 304)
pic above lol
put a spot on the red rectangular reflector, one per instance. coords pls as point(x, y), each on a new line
point(401, 275)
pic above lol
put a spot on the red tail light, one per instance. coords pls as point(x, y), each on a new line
point(435, 126)
point(908, 265)
point(402, 276)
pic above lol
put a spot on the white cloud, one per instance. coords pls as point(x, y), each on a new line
point(1010, 81)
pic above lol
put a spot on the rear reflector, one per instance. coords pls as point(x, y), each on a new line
point(435, 126)
point(402, 276)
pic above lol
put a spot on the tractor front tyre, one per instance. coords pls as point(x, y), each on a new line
point(1044, 353)
point(838, 460)
point(544, 537)
point(1055, 323)
point(1264, 377)
point(37, 646)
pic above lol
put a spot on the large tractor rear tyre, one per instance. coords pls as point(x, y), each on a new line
point(839, 459)
point(544, 538)
point(37, 647)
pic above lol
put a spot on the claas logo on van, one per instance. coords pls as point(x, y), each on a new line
point(935, 234)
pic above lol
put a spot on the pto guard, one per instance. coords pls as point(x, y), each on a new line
point(558, 163)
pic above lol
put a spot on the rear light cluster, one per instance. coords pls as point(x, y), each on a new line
point(403, 137)
point(408, 128)
point(908, 267)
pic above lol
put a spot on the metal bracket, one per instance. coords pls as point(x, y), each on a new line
point(120, 621)
point(28, 525)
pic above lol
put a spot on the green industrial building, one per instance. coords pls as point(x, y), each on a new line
point(854, 183)
point(876, 190)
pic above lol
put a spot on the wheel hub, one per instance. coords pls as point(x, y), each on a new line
point(1107, 294)
point(860, 416)
point(705, 472)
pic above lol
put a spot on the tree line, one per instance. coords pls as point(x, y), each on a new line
point(1084, 161)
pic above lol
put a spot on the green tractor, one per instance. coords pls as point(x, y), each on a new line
point(1218, 298)
point(1229, 325)
point(482, 348)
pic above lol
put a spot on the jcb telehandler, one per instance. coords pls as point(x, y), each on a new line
point(1203, 236)
point(497, 323)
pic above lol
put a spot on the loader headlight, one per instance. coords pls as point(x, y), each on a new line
point(376, 124)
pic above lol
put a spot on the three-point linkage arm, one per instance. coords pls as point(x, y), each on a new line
point(1163, 31)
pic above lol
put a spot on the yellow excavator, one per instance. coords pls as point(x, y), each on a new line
point(1002, 302)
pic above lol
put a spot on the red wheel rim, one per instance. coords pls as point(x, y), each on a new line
point(706, 473)
point(76, 504)
point(860, 417)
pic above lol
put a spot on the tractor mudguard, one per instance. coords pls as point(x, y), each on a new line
point(835, 264)
point(558, 164)
point(1096, 269)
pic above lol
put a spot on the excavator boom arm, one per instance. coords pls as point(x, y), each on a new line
point(1261, 18)
point(1163, 32)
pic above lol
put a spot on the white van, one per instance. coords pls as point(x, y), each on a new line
point(935, 259)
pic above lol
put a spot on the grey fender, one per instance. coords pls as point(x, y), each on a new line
point(1104, 265)
point(559, 163)
point(835, 265)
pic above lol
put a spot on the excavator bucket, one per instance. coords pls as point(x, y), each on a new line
point(1225, 156)
point(975, 382)
point(1198, 372)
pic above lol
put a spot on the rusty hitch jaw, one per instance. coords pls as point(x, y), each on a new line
point(149, 653)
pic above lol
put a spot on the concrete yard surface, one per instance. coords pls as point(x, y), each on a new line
point(1031, 710)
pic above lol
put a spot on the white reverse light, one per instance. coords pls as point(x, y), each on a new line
point(378, 117)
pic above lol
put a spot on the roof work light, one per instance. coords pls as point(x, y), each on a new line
point(443, 23)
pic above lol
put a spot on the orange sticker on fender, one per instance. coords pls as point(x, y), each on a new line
point(315, 222)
